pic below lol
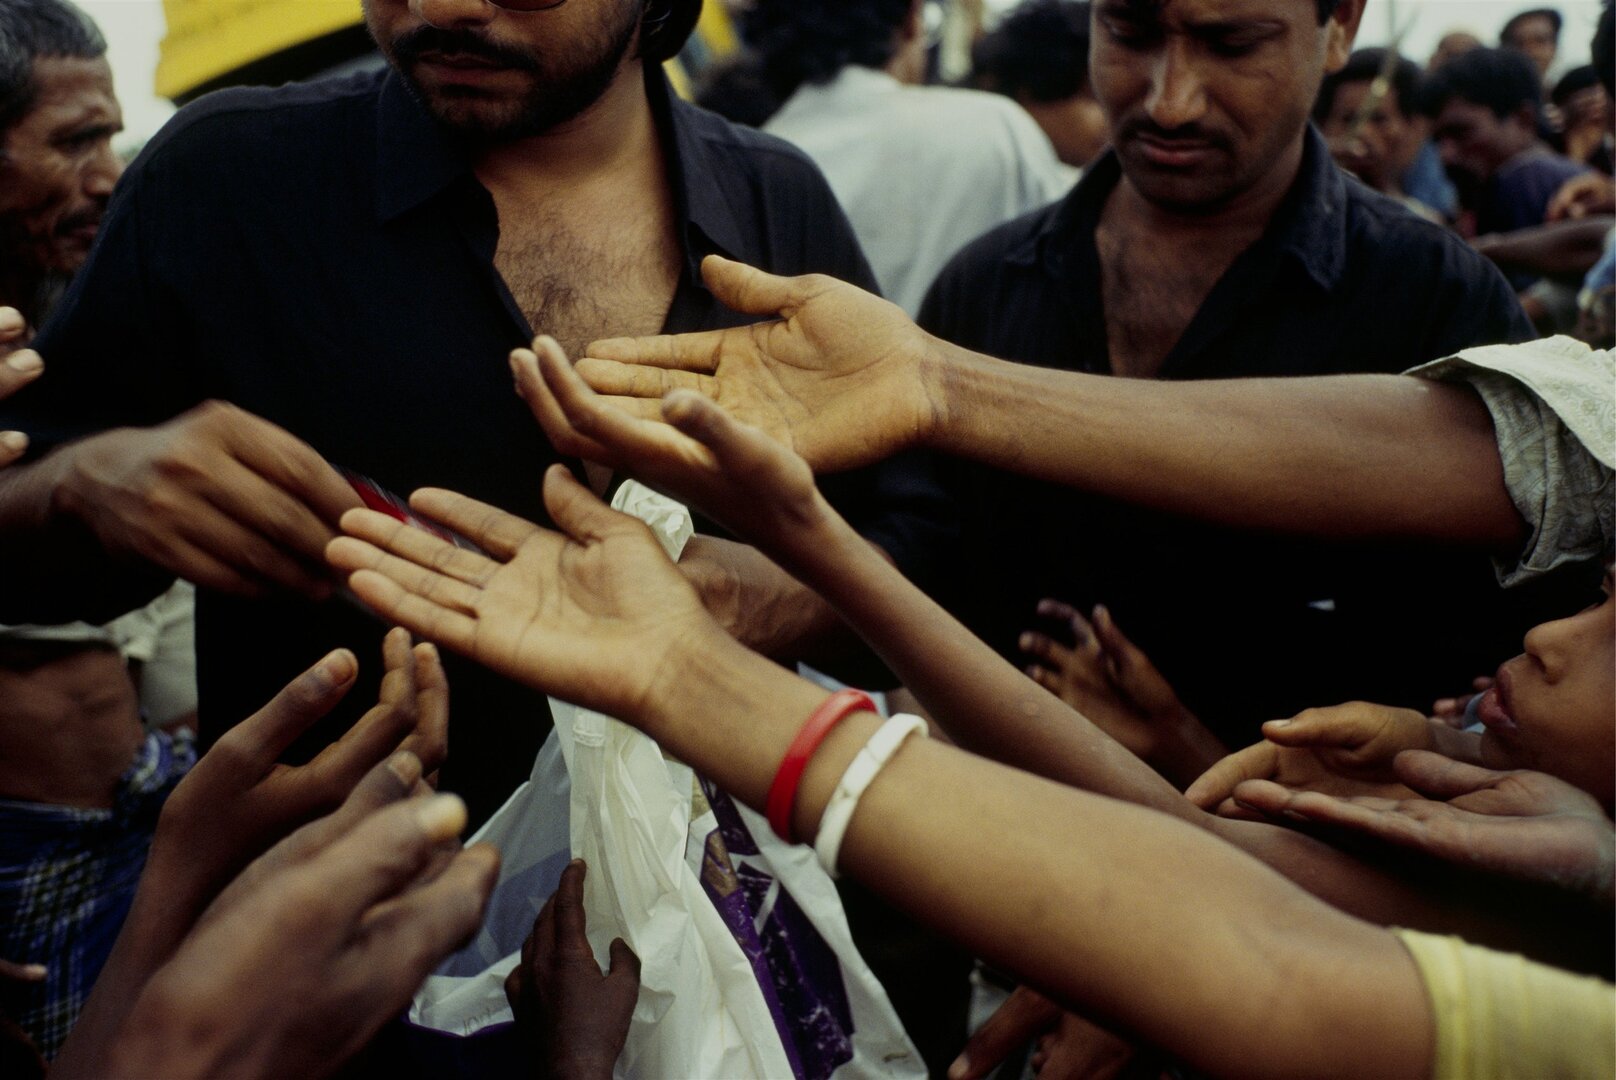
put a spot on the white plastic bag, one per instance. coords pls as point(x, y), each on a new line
point(747, 965)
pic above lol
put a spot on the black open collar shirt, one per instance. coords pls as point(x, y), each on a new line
point(1250, 627)
point(322, 256)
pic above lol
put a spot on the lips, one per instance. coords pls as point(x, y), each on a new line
point(1493, 708)
point(1173, 153)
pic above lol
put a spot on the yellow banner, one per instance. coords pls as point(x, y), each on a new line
point(207, 38)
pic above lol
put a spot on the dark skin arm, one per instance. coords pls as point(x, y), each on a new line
point(599, 616)
point(844, 379)
point(756, 488)
point(1560, 249)
point(216, 496)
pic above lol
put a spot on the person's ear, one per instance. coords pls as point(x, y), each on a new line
point(1340, 30)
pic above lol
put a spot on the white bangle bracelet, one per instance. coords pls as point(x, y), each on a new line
point(863, 769)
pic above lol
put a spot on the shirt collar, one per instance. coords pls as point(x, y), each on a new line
point(706, 218)
point(417, 158)
point(1310, 224)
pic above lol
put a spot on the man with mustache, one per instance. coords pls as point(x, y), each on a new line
point(58, 115)
point(348, 264)
point(1218, 239)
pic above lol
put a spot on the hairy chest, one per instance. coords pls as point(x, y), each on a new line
point(580, 277)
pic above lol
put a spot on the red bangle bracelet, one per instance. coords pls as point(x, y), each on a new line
point(783, 792)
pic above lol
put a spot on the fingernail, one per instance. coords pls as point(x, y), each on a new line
point(406, 766)
point(1025, 642)
point(34, 972)
point(1101, 611)
point(337, 668)
point(430, 650)
point(442, 817)
point(1277, 723)
point(25, 362)
point(15, 441)
point(961, 1066)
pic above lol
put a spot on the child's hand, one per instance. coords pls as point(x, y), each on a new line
point(732, 472)
point(1343, 750)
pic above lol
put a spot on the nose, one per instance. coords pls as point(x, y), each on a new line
point(453, 14)
point(102, 172)
point(1177, 91)
point(1546, 643)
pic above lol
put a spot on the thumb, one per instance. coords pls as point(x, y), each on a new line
point(1437, 776)
point(1026, 1014)
point(577, 511)
point(624, 962)
point(749, 290)
point(1340, 726)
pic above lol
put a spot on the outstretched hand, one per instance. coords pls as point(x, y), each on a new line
point(1111, 681)
point(1342, 750)
point(730, 471)
point(301, 962)
point(239, 799)
point(574, 1017)
point(1525, 825)
point(593, 614)
point(840, 376)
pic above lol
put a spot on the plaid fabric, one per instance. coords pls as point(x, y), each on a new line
point(67, 876)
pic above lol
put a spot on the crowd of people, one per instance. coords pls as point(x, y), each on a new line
point(1225, 487)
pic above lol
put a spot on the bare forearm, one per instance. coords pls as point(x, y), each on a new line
point(984, 704)
point(1343, 456)
point(989, 708)
point(56, 571)
point(1079, 895)
point(1565, 249)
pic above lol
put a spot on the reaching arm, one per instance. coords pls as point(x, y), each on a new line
point(1051, 883)
point(845, 379)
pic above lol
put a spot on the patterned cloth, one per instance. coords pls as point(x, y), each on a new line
point(1553, 404)
point(67, 877)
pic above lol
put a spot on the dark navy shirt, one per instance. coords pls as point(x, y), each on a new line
point(1250, 627)
point(322, 256)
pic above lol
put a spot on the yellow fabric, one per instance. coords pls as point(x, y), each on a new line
point(1499, 1015)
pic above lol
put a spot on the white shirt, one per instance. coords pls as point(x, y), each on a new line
point(920, 170)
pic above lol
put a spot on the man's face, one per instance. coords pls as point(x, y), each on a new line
point(1536, 38)
point(496, 75)
point(1553, 708)
point(1474, 142)
point(1206, 99)
point(1380, 148)
point(58, 169)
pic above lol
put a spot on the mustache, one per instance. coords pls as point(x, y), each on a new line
point(432, 39)
point(1186, 133)
point(77, 221)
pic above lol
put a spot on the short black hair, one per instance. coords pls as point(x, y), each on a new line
point(1363, 66)
point(1502, 80)
point(30, 29)
point(1040, 50)
point(1572, 82)
point(1535, 13)
point(1326, 8)
point(811, 41)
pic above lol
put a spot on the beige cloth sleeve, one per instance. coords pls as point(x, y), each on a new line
point(1553, 404)
point(1499, 1015)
